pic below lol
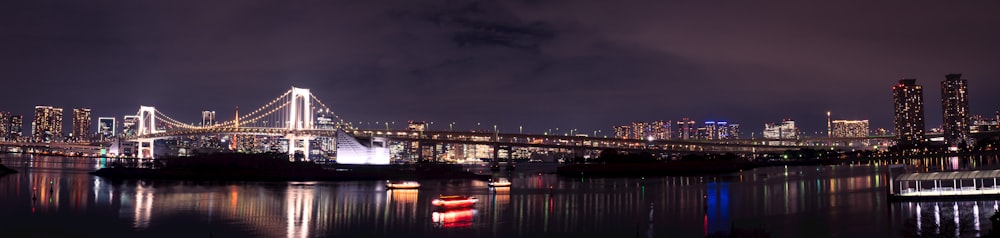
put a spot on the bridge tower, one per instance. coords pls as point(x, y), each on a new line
point(147, 126)
point(300, 118)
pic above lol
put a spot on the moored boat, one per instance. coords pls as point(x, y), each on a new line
point(500, 182)
point(454, 201)
point(402, 184)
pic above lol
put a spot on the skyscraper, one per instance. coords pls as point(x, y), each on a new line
point(16, 127)
point(909, 116)
point(81, 123)
point(955, 107)
point(4, 125)
point(47, 124)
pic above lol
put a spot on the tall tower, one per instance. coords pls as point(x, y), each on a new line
point(909, 117)
point(236, 137)
point(955, 107)
point(829, 128)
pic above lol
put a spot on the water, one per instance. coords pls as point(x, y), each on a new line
point(55, 197)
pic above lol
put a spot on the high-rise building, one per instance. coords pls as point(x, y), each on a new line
point(850, 128)
point(659, 130)
point(16, 127)
point(955, 107)
point(81, 123)
point(909, 113)
point(47, 124)
point(208, 118)
point(711, 131)
point(106, 127)
point(129, 125)
point(733, 132)
point(785, 130)
point(623, 132)
point(4, 125)
point(640, 130)
point(686, 129)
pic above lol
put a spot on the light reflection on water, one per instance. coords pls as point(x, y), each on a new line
point(780, 201)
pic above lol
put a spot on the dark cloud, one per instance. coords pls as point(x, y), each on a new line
point(541, 64)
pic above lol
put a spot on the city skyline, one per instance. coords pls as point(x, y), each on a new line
point(510, 64)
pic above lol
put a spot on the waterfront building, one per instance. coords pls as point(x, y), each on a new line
point(660, 130)
point(47, 124)
point(208, 118)
point(129, 125)
point(81, 123)
point(686, 129)
point(731, 131)
point(106, 127)
point(622, 132)
point(979, 123)
point(711, 131)
point(955, 107)
point(16, 128)
point(4, 125)
point(850, 128)
point(908, 98)
point(785, 130)
point(640, 130)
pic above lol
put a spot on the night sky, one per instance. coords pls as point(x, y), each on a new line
point(541, 64)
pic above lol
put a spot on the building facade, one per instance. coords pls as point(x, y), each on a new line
point(785, 130)
point(850, 128)
point(106, 127)
point(129, 125)
point(81, 124)
point(622, 132)
point(908, 98)
point(955, 107)
point(686, 129)
point(47, 124)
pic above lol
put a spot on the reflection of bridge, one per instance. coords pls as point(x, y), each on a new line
point(292, 117)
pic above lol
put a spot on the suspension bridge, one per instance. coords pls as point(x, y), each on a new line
point(292, 117)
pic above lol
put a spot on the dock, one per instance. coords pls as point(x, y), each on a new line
point(976, 184)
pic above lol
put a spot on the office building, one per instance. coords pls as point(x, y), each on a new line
point(208, 118)
point(47, 124)
point(640, 130)
point(659, 130)
point(622, 132)
point(909, 113)
point(785, 130)
point(686, 129)
point(16, 128)
point(4, 125)
point(727, 131)
point(955, 107)
point(81, 123)
point(850, 128)
point(129, 125)
point(106, 127)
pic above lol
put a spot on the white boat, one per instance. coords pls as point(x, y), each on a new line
point(454, 201)
point(500, 182)
point(402, 184)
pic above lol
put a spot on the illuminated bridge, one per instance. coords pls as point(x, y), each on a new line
point(291, 117)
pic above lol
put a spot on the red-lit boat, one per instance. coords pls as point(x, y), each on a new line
point(453, 218)
point(454, 201)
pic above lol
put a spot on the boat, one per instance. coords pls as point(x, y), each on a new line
point(453, 218)
point(454, 201)
point(500, 182)
point(402, 184)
